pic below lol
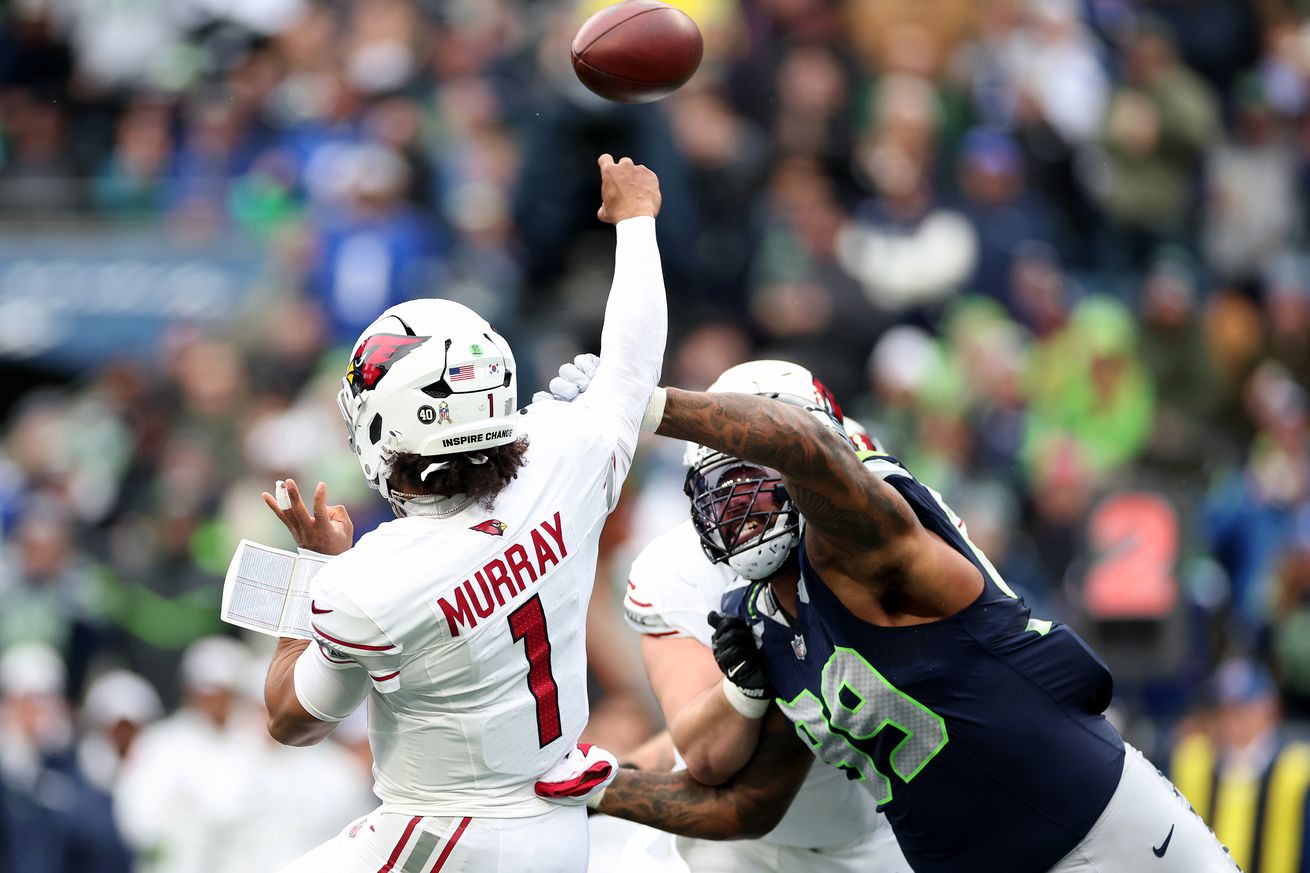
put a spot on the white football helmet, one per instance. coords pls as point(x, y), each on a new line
point(754, 541)
point(782, 380)
point(428, 377)
point(860, 437)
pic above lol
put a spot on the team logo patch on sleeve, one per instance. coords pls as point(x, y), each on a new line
point(492, 527)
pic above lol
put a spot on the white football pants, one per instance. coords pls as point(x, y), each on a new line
point(876, 853)
point(624, 847)
point(1147, 827)
point(385, 842)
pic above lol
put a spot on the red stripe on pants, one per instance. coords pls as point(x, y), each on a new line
point(454, 838)
point(400, 846)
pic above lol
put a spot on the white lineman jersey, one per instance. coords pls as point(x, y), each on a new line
point(471, 627)
point(671, 588)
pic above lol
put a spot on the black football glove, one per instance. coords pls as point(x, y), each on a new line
point(737, 657)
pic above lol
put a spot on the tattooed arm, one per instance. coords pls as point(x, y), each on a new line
point(748, 806)
point(850, 509)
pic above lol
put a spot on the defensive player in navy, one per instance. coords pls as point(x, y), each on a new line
point(903, 659)
point(677, 579)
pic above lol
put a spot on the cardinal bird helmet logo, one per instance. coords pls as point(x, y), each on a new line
point(375, 356)
point(492, 527)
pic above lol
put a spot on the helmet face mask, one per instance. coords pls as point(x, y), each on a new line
point(428, 377)
point(742, 514)
point(746, 519)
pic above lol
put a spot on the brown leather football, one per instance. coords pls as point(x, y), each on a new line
point(637, 51)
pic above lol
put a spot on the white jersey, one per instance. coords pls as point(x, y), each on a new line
point(466, 630)
point(671, 589)
point(471, 627)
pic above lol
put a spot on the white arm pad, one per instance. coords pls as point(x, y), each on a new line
point(632, 340)
point(328, 692)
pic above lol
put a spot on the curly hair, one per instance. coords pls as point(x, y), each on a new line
point(481, 482)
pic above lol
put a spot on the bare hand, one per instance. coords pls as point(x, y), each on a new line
point(328, 531)
point(627, 190)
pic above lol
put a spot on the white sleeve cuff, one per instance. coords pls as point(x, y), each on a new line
point(326, 692)
point(637, 225)
point(654, 410)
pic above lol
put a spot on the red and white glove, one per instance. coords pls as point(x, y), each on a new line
point(580, 777)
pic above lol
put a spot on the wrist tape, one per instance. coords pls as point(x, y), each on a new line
point(749, 707)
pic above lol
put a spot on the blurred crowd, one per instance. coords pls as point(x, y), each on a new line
point(1053, 253)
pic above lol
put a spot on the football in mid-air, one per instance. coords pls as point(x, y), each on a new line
point(637, 51)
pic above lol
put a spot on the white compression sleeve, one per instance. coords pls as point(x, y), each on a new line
point(636, 327)
point(328, 692)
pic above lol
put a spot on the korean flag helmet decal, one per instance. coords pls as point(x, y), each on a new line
point(428, 377)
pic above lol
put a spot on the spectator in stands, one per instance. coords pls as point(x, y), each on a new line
point(798, 285)
point(1039, 295)
point(119, 705)
point(51, 818)
point(1291, 618)
point(905, 248)
point(988, 351)
point(123, 45)
point(1248, 512)
point(1247, 780)
point(40, 177)
point(903, 364)
point(1059, 71)
point(181, 788)
point(50, 592)
point(206, 790)
point(1004, 214)
point(1251, 204)
point(810, 119)
point(727, 158)
point(376, 250)
point(1158, 124)
point(1174, 351)
point(1287, 315)
point(131, 182)
point(1091, 388)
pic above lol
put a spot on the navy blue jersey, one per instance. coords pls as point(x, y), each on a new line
point(981, 736)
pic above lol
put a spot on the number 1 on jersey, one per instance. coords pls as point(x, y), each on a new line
point(528, 623)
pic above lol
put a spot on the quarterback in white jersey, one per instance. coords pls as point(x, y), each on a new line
point(462, 621)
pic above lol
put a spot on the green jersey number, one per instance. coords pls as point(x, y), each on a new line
point(857, 704)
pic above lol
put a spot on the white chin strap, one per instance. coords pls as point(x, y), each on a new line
point(763, 560)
